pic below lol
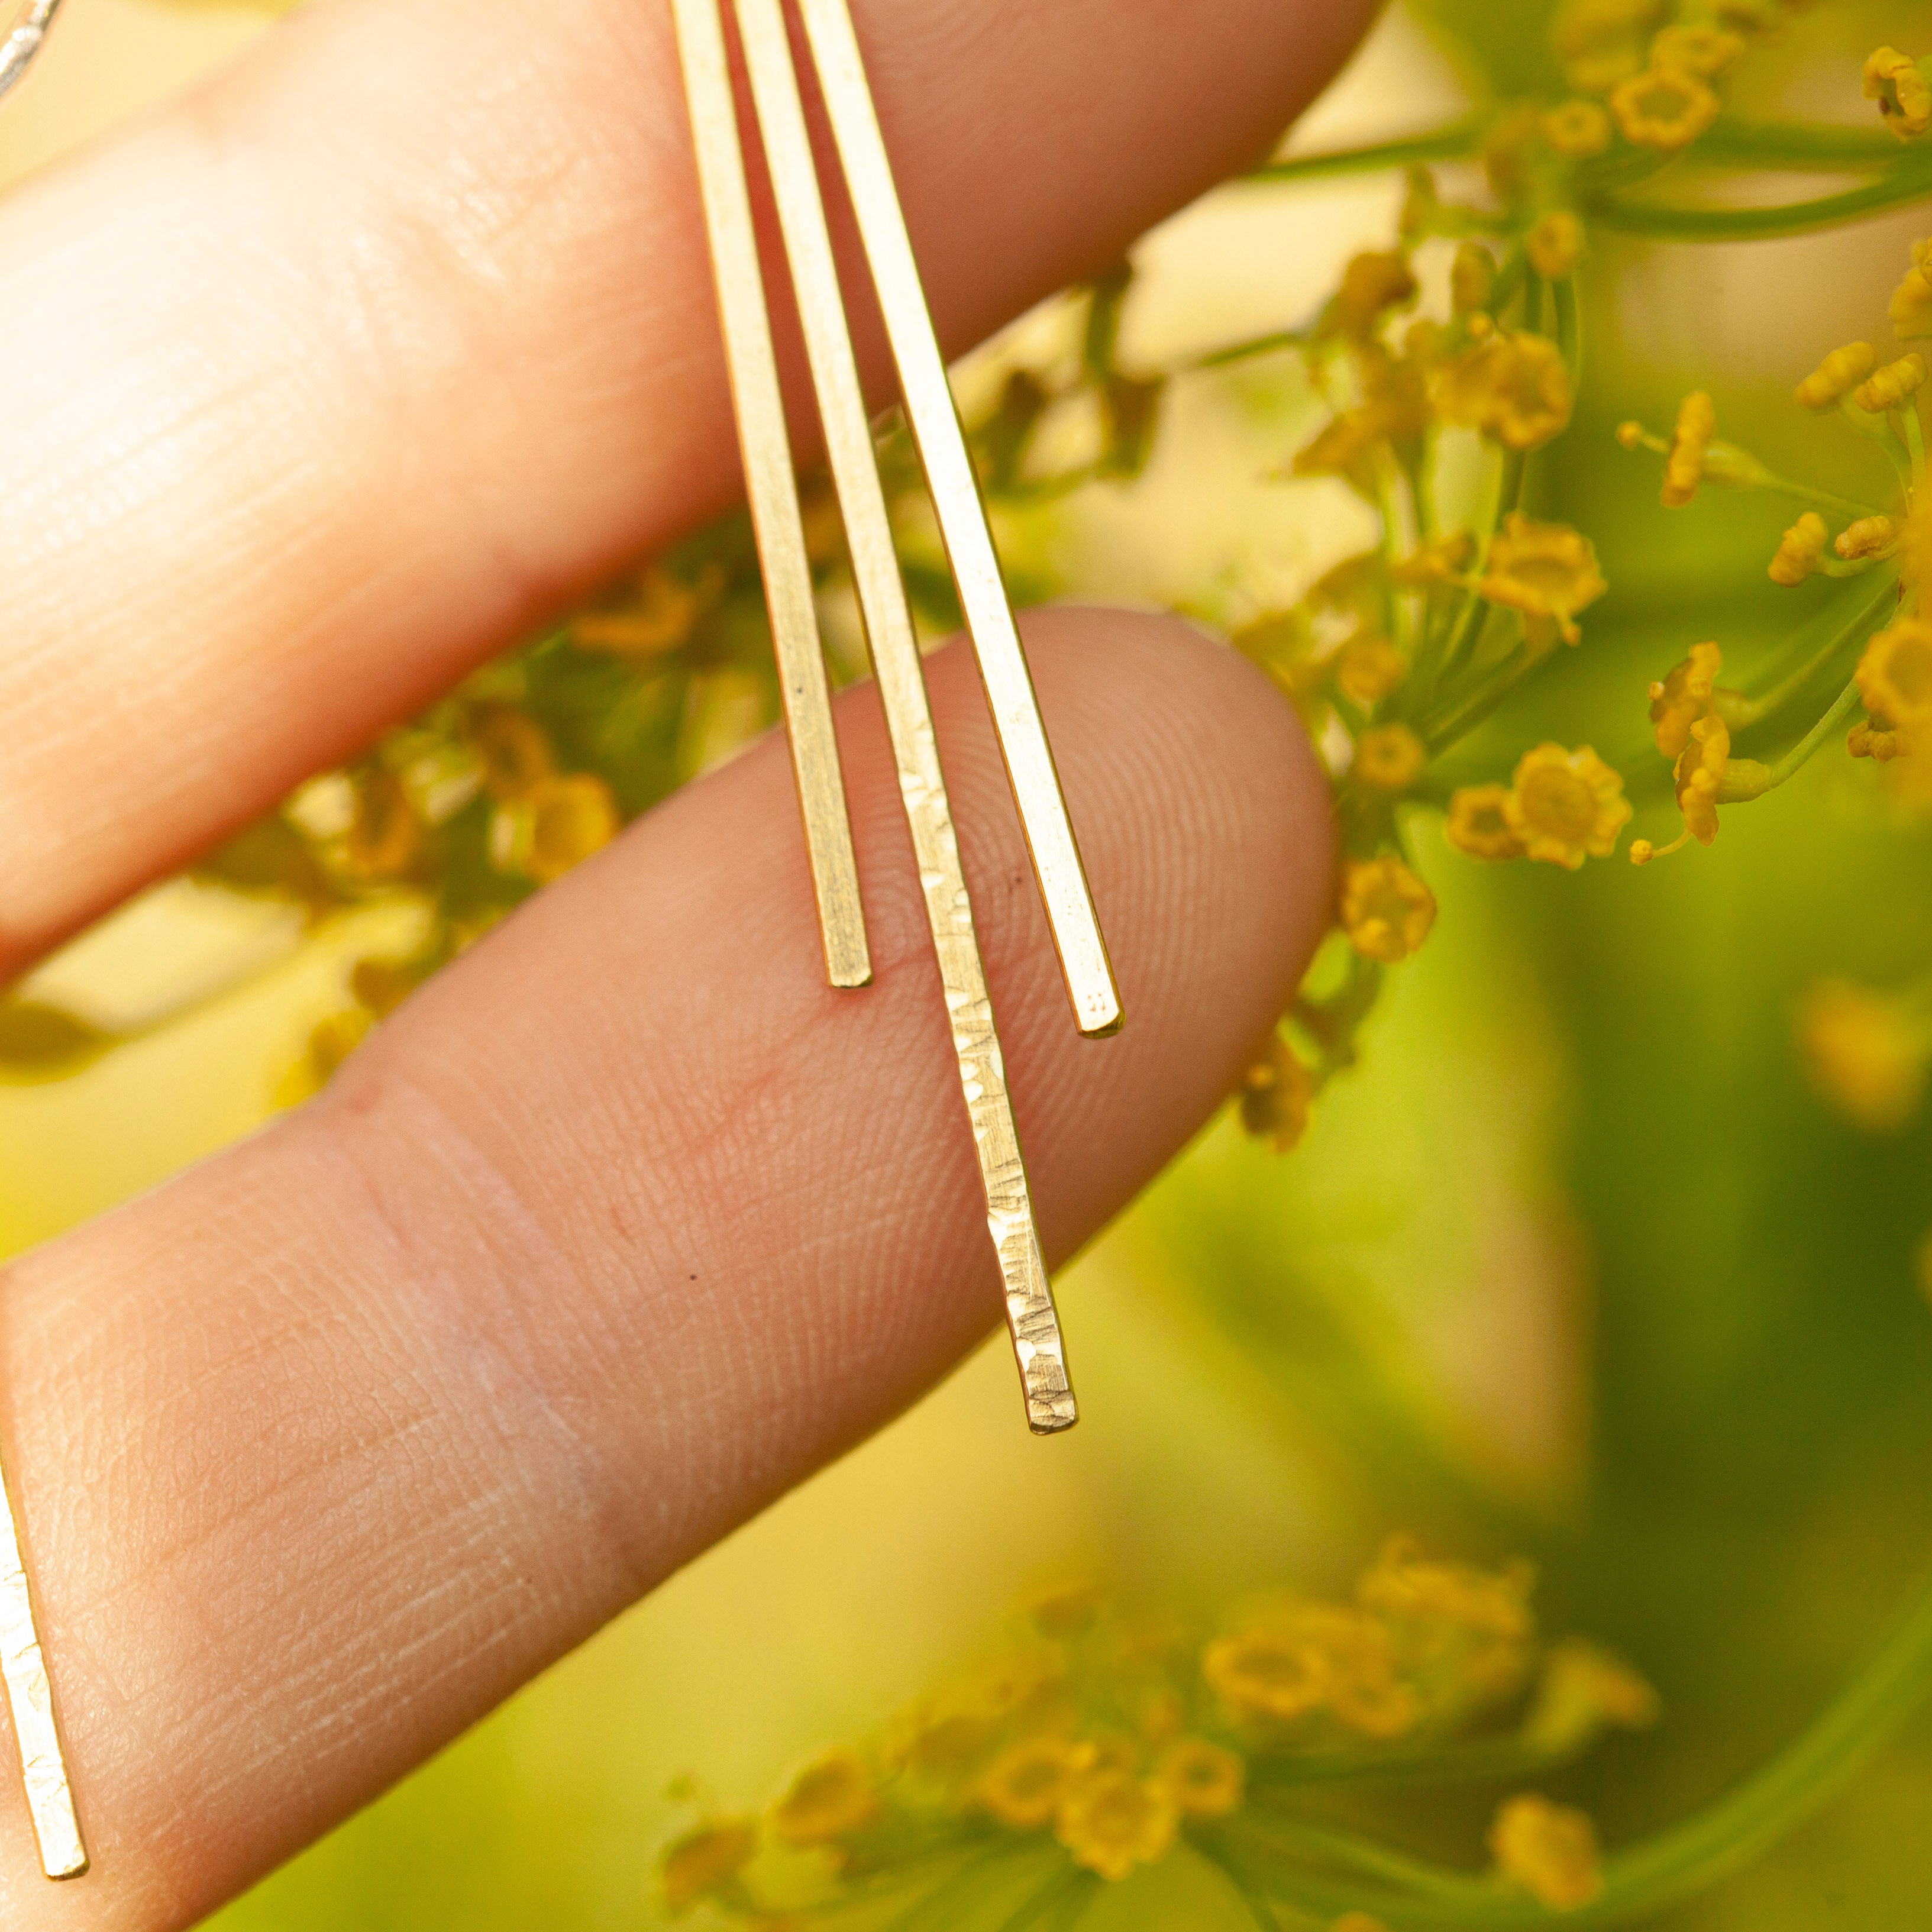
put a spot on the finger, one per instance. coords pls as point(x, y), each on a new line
point(342, 373)
point(625, 1225)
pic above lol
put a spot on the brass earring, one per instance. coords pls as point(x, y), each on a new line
point(833, 44)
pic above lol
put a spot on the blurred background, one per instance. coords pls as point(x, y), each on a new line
point(1576, 1266)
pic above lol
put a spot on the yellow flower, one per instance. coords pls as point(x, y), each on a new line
point(1875, 742)
point(662, 616)
point(828, 1801)
point(1802, 551)
point(1269, 1672)
point(1390, 758)
point(1365, 1690)
point(1025, 1786)
point(329, 1045)
point(514, 747)
point(1895, 674)
point(1201, 1780)
point(1472, 279)
point(1867, 1052)
point(1555, 245)
point(705, 1862)
point(384, 836)
point(1704, 51)
point(1548, 571)
point(1404, 1584)
point(1684, 468)
point(1664, 107)
point(1577, 129)
point(1898, 84)
point(1386, 911)
point(1549, 1850)
point(1679, 700)
point(1368, 669)
point(1514, 387)
point(556, 825)
point(1585, 1691)
point(1893, 384)
point(1372, 284)
point(1701, 766)
point(1837, 376)
point(1869, 536)
point(1278, 1097)
point(1114, 1821)
point(1440, 562)
point(1911, 308)
point(1600, 41)
point(1479, 822)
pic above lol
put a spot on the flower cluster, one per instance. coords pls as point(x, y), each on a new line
point(1098, 1746)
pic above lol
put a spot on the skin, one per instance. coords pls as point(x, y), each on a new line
point(339, 375)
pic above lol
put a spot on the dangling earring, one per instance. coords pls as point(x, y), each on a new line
point(772, 484)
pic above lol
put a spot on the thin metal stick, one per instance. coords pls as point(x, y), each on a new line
point(935, 420)
point(773, 489)
point(30, 1697)
point(1030, 1313)
point(17, 51)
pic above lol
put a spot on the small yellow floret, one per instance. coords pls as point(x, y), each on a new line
point(1677, 700)
point(1386, 911)
point(1702, 50)
point(1368, 669)
point(827, 1801)
point(1113, 1822)
point(1372, 284)
point(1684, 468)
point(1911, 308)
point(1555, 245)
point(1514, 387)
point(1568, 806)
point(1583, 1692)
point(1278, 1097)
point(1549, 1850)
point(1390, 758)
point(1891, 386)
point(1837, 376)
point(1407, 1585)
point(1867, 1052)
point(1664, 108)
point(1479, 822)
point(1700, 776)
point(1547, 571)
point(1802, 551)
point(514, 747)
point(1440, 562)
point(1898, 84)
point(1025, 1785)
point(1579, 130)
point(1201, 1780)
point(384, 837)
point(554, 826)
point(704, 1862)
point(1895, 674)
point(1472, 278)
point(1268, 1672)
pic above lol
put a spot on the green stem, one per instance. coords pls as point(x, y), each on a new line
point(1732, 141)
point(1915, 441)
point(1808, 748)
point(1781, 694)
point(1902, 184)
point(1569, 329)
point(1505, 679)
point(1493, 1760)
point(1447, 144)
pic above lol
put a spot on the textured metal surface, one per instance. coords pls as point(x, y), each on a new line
point(30, 1697)
point(889, 626)
point(772, 488)
point(29, 32)
point(934, 418)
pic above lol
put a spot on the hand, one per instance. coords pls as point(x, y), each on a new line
point(327, 384)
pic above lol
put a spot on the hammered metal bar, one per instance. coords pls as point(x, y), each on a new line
point(773, 488)
point(935, 419)
point(30, 1697)
point(23, 42)
point(1030, 1314)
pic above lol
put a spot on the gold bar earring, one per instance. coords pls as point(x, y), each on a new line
point(1031, 1315)
point(30, 1695)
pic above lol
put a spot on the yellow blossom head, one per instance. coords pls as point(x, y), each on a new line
point(1555, 245)
point(1568, 806)
point(1367, 1691)
point(827, 1801)
point(1201, 1780)
point(1601, 42)
point(1837, 376)
point(1701, 48)
point(1867, 1052)
point(1025, 1786)
point(1386, 910)
point(1585, 1691)
point(1472, 279)
point(1404, 1584)
point(1514, 387)
point(1278, 1096)
point(1368, 669)
point(1899, 84)
point(1869, 536)
point(553, 826)
point(705, 1862)
point(514, 747)
point(1479, 822)
point(1113, 1822)
point(1579, 130)
point(1684, 467)
point(1549, 1850)
point(1701, 766)
point(1911, 307)
point(1547, 571)
point(1679, 700)
point(1802, 551)
point(1664, 107)
point(1270, 1672)
point(1372, 285)
point(1390, 758)
point(1895, 674)
point(1892, 385)
point(1440, 562)
point(384, 836)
